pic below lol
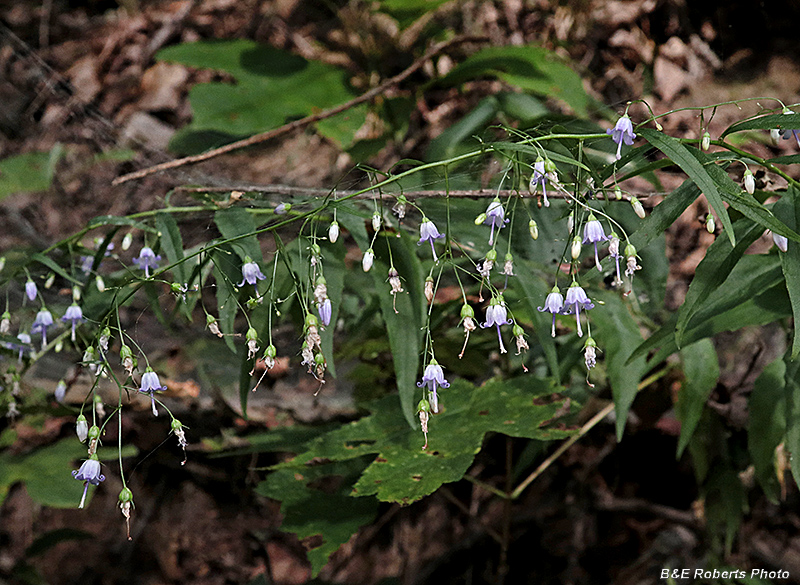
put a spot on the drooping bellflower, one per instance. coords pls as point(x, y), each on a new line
point(787, 133)
point(782, 242)
point(74, 315)
point(89, 473)
point(622, 132)
point(251, 273)
point(30, 290)
point(495, 217)
point(428, 232)
point(575, 301)
point(44, 319)
point(150, 385)
point(432, 379)
point(593, 233)
point(539, 178)
point(554, 303)
point(497, 315)
point(147, 259)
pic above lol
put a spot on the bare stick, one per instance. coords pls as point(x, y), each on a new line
point(297, 124)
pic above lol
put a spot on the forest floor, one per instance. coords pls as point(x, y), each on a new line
point(84, 77)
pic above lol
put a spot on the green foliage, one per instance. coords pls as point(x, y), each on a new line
point(29, 172)
point(272, 87)
point(767, 425)
point(529, 68)
point(702, 372)
point(402, 472)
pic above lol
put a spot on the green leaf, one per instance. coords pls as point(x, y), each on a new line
point(238, 225)
point(779, 121)
point(701, 371)
point(788, 210)
point(767, 425)
point(104, 220)
point(172, 245)
point(528, 67)
point(28, 173)
point(225, 274)
point(617, 336)
point(447, 144)
point(726, 502)
point(310, 512)
point(713, 270)
point(273, 87)
point(665, 214)
point(792, 393)
point(54, 266)
point(680, 155)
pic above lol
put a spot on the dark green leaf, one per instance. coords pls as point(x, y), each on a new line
point(701, 371)
point(680, 155)
point(172, 245)
point(238, 225)
point(28, 173)
point(713, 270)
point(792, 392)
point(767, 424)
point(779, 121)
point(788, 210)
point(225, 274)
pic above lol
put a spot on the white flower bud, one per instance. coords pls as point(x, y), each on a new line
point(576, 248)
point(781, 241)
point(333, 232)
point(100, 283)
point(711, 224)
point(366, 261)
point(749, 182)
point(376, 221)
point(775, 135)
point(705, 142)
point(127, 241)
point(637, 207)
point(533, 228)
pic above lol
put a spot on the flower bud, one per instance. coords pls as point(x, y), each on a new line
point(775, 135)
point(637, 207)
point(576, 248)
point(127, 241)
point(617, 193)
point(711, 225)
point(749, 182)
point(333, 232)
point(283, 208)
point(82, 428)
point(705, 141)
point(51, 278)
point(376, 221)
point(61, 391)
point(571, 222)
point(533, 228)
point(429, 289)
point(100, 283)
point(480, 219)
point(367, 260)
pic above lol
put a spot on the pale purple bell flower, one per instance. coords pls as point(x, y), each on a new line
point(433, 378)
point(89, 473)
point(251, 273)
point(593, 233)
point(554, 303)
point(150, 385)
point(575, 301)
point(30, 290)
point(147, 259)
point(325, 309)
point(73, 315)
point(495, 217)
point(497, 315)
point(428, 231)
point(622, 132)
point(44, 319)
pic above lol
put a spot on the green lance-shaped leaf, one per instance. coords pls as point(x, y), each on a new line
point(713, 270)
point(665, 214)
point(788, 210)
point(617, 335)
point(236, 223)
point(172, 245)
point(726, 502)
point(689, 164)
point(779, 121)
point(792, 392)
point(701, 371)
point(226, 274)
point(767, 424)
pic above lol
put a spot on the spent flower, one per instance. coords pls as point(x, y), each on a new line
point(539, 178)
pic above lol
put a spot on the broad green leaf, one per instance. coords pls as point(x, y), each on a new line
point(680, 155)
point(617, 336)
point(767, 424)
point(311, 512)
point(701, 372)
point(28, 173)
point(172, 245)
point(528, 67)
point(272, 87)
point(713, 270)
point(779, 121)
point(788, 209)
point(238, 225)
point(403, 472)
